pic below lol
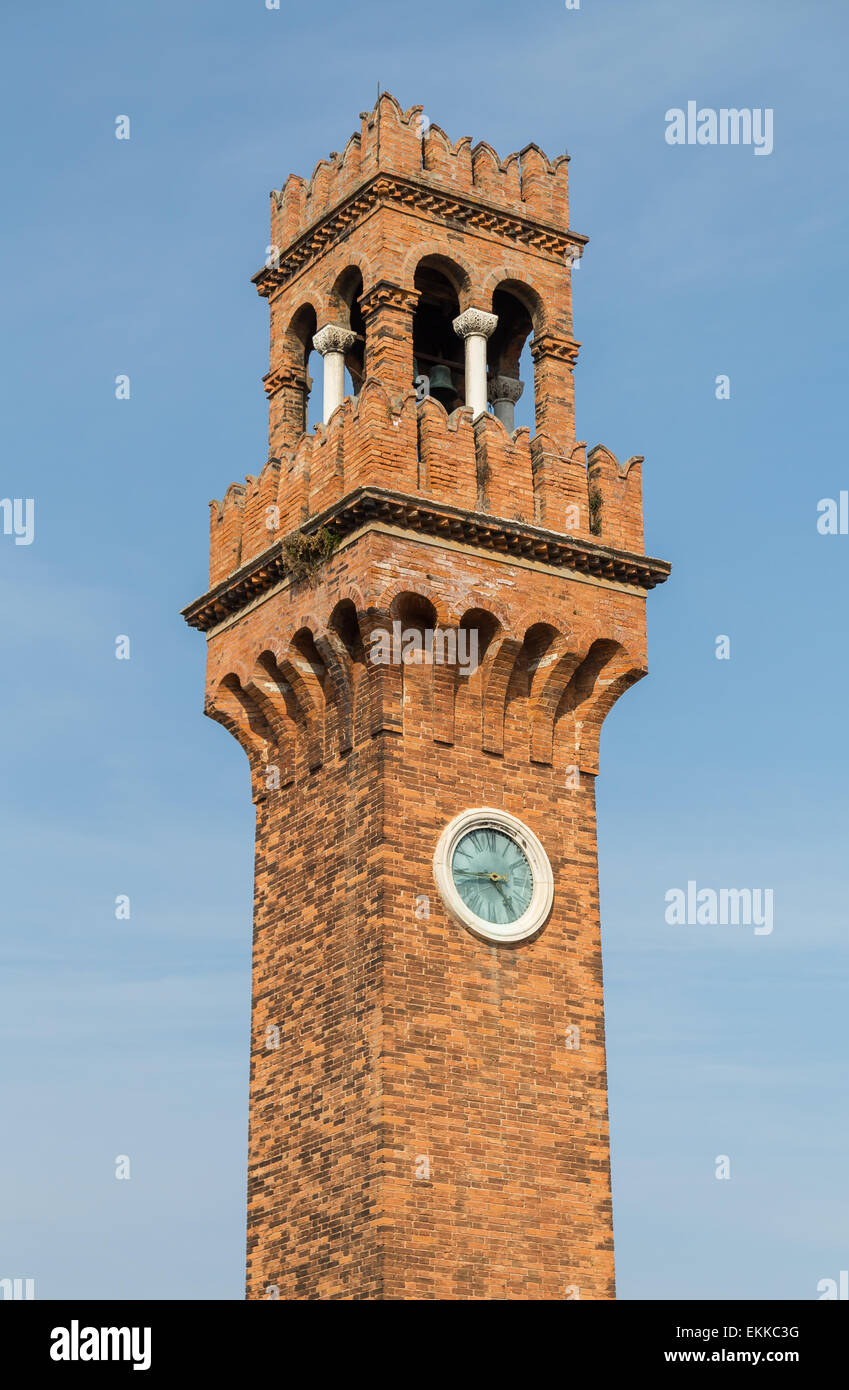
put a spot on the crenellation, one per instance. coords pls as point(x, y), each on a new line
point(545, 185)
point(225, 533)
point(260, 521)
point(390, 137)
point(487, 170)
point(447, 456)
point(319, 189)
point(421, 449)
point(504, 472)
point(294, 499)
point(392, 141)
point(512, 173)
point(446, 162)
point(560, 486)
point(287, 211)
point(620, 488)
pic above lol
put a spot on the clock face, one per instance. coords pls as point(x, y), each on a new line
point(492, 875)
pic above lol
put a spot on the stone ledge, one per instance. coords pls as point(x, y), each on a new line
point(432, 519)
point(428, 197)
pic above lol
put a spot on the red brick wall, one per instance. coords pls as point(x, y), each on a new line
point(401, 1035)
point(477, 1074)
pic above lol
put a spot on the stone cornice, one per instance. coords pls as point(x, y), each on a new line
point(433, 199)
point(279, 377)
point(427, 517)
point(387, 295)
point(552, 345)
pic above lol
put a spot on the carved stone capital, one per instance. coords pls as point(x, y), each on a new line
point(333, 338)
point(475, 321)
point(552, 345)
point(505, 388)
point(386, 295)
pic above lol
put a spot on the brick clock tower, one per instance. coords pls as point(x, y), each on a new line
point(418, 618)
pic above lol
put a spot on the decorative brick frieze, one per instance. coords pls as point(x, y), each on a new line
point(549, 345)
point(547, 241)
point(385, 295)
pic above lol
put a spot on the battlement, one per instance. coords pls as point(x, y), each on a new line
point(403, 143)
point(419, 450)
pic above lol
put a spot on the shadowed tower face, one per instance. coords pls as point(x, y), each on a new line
point(418, 618)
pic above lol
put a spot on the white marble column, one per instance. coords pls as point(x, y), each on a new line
point(333, 342)
point(475, 326)
point(504, 391)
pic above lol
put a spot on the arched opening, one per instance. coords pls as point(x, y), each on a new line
point(484, 626)
point(413, 631)
point(539, 640)
point(344, 622)
point(300, 335)
point(415, 614)
point(477, 630)
point(438, 365)
point(510, 368)
point(345, 300)
point(315, 374)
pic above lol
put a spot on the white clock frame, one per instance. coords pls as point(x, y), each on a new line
point(542, 896)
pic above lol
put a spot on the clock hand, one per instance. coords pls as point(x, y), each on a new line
point(508, 902)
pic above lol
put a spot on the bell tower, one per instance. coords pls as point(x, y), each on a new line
point(417, 619)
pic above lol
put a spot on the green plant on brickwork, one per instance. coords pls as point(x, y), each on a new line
point(596, 503)
point(306, 553)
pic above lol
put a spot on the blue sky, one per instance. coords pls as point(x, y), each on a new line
point(131, 1037)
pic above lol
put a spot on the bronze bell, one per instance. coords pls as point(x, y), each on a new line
point(442, 384)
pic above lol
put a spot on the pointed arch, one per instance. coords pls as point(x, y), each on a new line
point(605, 673)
